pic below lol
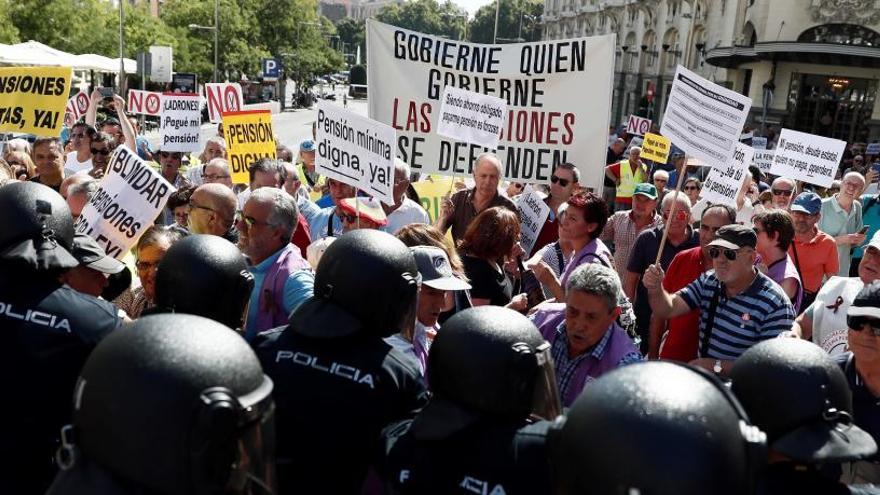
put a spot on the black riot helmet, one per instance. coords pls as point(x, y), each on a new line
point(487, 361)
point(657, 428)
point(204, 275)
point(366, 281)
point(36, 229)
point(177, 404)
point(796, 393)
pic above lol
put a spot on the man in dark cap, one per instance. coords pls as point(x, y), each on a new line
point(739, 306)
point(91, 276)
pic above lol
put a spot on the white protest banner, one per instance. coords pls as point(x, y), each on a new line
point(355, 150)
point(638, 125)
point(872, 149)
point(471, 117)
point(764, 160)
point(724, 181)
point(807, 157)
point(558, 96)
point(703, 118)
point(180, 122)
point(144, 102)
point(746, 136)
point(759, 143)
point(533, 212)
point(129, 198)
point(223, 98)
point(77, 106)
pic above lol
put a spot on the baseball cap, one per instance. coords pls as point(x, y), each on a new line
point(435, 269)
point(308, 145)
point(316, 250)
point(368, 208)
point(866, 302)
point(90, 254)
point(646, 189)
point(735, 236)
point(807, 202)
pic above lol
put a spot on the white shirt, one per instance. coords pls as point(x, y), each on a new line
point(73, 165)
point(194, 175)
point(409, 212)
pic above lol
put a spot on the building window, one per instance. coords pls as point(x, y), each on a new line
point(842, 34)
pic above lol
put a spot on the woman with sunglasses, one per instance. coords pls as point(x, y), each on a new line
point(692, 189)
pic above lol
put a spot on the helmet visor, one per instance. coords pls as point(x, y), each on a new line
point(545, 399)
point(254, 470)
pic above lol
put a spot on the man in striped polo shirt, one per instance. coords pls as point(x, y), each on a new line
point(739, 306)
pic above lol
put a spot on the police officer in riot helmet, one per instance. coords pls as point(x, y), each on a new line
point(204, 275)
point(797, 394)
point(485, 428)
point(338, 382)
point(48, 330)
point(176, 404)
point(657, 428)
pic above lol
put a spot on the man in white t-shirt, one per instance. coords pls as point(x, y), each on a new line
point(81, 158)
point(404, 211)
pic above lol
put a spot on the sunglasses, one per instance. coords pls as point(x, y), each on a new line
point(679, 215)
point(691, 188)
point(166, 154)
point(858, 323)
point(96, 151)
point(782, 192)
point(345, 217)
point(213, 176)
point(562, 182)
point(715, 252)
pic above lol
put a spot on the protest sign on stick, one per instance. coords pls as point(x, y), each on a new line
point(723, 183)
point(807, 157)
point(180, 122)
point(549, 120)
point(356, 150)
point(638, 125)
point(471, 117)
point(764, 160)
point(655, 148)
point(77, 106)
point(33, 99)
point(703, 118)
point(223, 98)
point(144, 102)
point(533, 212)
point(249, 137)
point(129, 198)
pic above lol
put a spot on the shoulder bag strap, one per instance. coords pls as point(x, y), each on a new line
point(797, 262)
point(710, 320)
point(559, 257)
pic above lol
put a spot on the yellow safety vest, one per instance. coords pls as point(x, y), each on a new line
point(628, 180)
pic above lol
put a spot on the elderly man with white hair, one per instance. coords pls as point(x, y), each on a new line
point(404, 211)
point(214, 148)
point(216, 171)
point(783, 190)
point(842, 219)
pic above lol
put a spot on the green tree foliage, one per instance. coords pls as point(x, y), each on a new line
point(353, 34)
point(424, 16)
point(73, 26)
point(8, 31)
point(510, 14)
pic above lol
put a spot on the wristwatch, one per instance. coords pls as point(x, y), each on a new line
point(717, 367)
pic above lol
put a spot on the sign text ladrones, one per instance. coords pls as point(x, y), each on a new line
point(558, 96)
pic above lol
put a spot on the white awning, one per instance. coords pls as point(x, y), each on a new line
point(36, 53)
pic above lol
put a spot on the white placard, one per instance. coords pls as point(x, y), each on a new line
point(180, 122)
point(703, 118)
point(724, 182)
point(807, 157)
point(144, 102)
point(638, 125)
point(129, 198)
point(471, 117)
point(764, 160)
point(161, 64)
point(533, 212)
point(223, 98)
point(558, 95)
point(872, 149)
point(759, 143)
point(355, 150)
point(77, 106)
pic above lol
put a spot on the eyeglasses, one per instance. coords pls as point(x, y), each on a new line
point(213, 176)
point(679, 215)
point(782, 192)
point(715, 252)
point(345, 217)
point(858, 323)
point(146, 266)
point(96, 151)
point(691, 188)
point(562, 182)
point(191, 205)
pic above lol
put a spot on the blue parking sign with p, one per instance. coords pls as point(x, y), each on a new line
point(271, 68)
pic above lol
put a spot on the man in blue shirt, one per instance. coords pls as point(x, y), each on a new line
point(282, 278)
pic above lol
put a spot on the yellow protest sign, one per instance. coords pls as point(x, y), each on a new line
point(249, 137)
point(655, 148)
point(431, 192)
point(32, 99)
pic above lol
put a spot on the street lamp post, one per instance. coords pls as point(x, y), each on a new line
point(464, 18)
point(497, 9)
point(216, 29)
